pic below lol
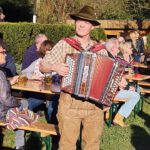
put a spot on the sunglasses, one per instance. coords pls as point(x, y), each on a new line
point(3, 52)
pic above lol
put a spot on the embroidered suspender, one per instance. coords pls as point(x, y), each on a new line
point(75, 44)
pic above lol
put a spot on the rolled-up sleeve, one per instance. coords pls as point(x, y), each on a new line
point(57, 54)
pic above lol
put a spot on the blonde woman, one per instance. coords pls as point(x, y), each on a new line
point(126, 51)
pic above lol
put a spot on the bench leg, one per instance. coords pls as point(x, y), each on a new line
point(139, 106)
point(142, 101)
point(47, 140)
point(110, 116)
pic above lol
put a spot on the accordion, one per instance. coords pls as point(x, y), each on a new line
point(93, 77)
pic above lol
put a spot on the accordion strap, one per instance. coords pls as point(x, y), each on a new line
point(75, 44)
point(97, 47)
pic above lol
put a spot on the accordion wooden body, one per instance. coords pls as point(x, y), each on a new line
point(91, 76)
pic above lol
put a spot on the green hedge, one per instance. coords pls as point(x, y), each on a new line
point(19, 36)
point(148, 43)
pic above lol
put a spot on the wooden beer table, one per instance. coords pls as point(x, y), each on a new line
point(33, 86)
point(140, 78)
point(140, 65)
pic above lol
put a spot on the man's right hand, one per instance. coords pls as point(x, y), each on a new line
point(62, 69)
point(123, 83)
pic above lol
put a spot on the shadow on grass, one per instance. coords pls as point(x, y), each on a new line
point(1, 141)
point(146, 118)
point(33, 142)
point(140, 139)
point(6, 148)
point(147, 101)
point(1, 137)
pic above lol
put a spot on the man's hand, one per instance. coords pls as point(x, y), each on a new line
point(62, 69)
point(123, 83)
point(13, 80)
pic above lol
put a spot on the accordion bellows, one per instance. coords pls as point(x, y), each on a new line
point(93, 77)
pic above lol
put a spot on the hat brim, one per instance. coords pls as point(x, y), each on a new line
point(77, 16)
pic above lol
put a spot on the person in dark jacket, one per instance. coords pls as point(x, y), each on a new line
point(7, 101)
point(9, 66)
point(138, 45)
point(31, 54)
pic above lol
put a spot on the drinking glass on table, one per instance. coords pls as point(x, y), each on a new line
point(22, 79)
point(48, 79)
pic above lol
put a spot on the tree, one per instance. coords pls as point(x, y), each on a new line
point(138, 9)
point(56, 11)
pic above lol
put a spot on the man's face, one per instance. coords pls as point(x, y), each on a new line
point(83, 27)
point(40, 41)
point(137, 35)
point(2, 16)
point(115, 48)
point(129, 49)
point(133, 36)
point(2, 56)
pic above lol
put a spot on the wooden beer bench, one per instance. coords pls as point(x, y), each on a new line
point(113, 109)
point(144, 83)
point(143, 91)
point(45, 130)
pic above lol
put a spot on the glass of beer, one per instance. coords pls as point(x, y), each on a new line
point(22, 80)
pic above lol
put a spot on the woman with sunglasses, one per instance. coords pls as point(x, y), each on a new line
point(7, 101)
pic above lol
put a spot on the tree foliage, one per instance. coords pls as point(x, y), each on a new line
point(56, 11)
point(138, 9)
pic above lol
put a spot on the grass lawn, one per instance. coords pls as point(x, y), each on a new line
point(135, 137)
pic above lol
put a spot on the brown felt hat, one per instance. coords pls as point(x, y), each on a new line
point(86, 13)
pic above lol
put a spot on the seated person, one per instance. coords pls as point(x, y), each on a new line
point(7, 101)
point(31, 54)
point(33, 72)
point(126, 51)
point(9, 66)
point(138, 45)
point(132, 96)
point(126, 108)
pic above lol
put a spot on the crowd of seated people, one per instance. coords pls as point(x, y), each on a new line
point(124, 50)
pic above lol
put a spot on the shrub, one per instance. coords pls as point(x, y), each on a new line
point(19, 36)
point(148, 43)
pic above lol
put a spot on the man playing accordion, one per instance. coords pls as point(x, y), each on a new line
point(73, 111)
